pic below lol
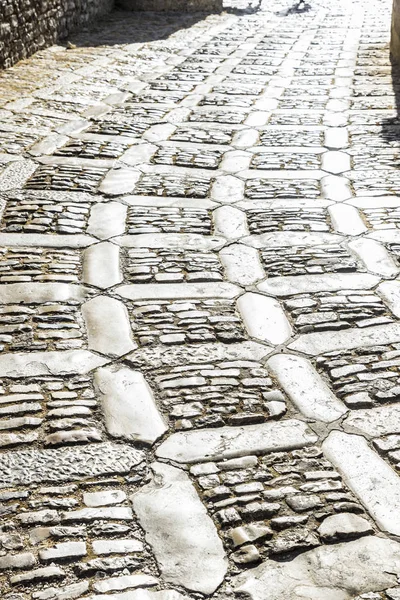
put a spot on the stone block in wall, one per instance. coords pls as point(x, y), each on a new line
point(171, 5)
point(395, 41)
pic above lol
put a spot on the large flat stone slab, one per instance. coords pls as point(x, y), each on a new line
point(65, 362)
point(23, 467)
point(231, 442)
point(128, 405)
point(320, 342)
point(108, 326)
point(264, 318)
point(14, 293)
point(338, 572)
point(306, 388)
point(368, 476)
point(170, 291)
point(182, 535)
point(329, 282)
point(374, 422)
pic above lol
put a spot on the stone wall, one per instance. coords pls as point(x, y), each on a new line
point(29, 25)
point(395, 44)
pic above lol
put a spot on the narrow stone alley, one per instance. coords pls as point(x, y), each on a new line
point(199, 309)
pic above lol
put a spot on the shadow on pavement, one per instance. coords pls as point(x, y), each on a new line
point(126, 27)
point(391, 127)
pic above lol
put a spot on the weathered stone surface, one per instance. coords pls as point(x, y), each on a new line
point(207, 352)
point(49, 363)
point(178, 291)
point(101, 265)
point(318, 343)
point(306, 388)
point(369, 476)
point(242, 264)
point(343, 526)
point(231, 442)
point(108, 327)
point(381, 420)
point(23, 467)
point(182, 535)
point(264, 318)
point(129, 408)
point(336, 572)
point(287, 286)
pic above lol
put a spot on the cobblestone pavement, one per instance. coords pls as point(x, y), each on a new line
point(200, 294)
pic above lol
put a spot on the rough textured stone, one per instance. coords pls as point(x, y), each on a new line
point(336, 572)
point(53, 19)
point(66, 464)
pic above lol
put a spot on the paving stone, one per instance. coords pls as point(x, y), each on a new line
point(288, 286)
point(114, 341)
point(66, 464)
point(129, 407)
point(305, 388)
point(206, 445)
point(362, 568)
point(371, 479)
point(101, 265)
point(264, 318)
point(242, 264)
point(343, 526)
point(181, 534)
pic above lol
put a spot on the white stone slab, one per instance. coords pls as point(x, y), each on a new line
point(17, 293)
point(332, 572)
point(36, 240)
point(48, 145)
point(181, 241)
point(374, 256)
point(372, 480)
point(107, 220)
point(291, 238)
point(336, 162)
point(375, 202)
point(159, 356)
point(66, 362)
point(264, 318)
point(390, 293)
point(134, 200)
point(329, 282)
point(336, 137)
point(318, 343)
point(242, 264)
point(101, 265)
point(142, 153)
point(374, 422)
point(108, 326)
point(129, 408)
point(235, 161)
point(230, 442)
point(230, 222)
point(182, 535)
point(161, 291)
point(227, 189)
point(336, 188)
point(119, 181)
point(306, 388)
point(140, 594)
point(346, 219)
point(124, 582)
